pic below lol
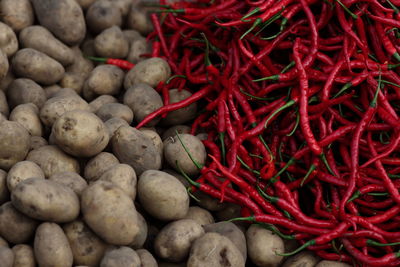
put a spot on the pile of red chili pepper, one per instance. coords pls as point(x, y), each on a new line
point(300, 101)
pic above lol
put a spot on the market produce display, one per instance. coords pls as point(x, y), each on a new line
point(199, 133)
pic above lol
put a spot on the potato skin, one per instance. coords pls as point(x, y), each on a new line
point(28, 116)
point(4, 109)
point(104, 80)
point(225, 252)
point(24, 91)
point(162, 195)
point(70, 179)
point(4, 65)
point(141, 237)
point(41, 39)
point(6, 257)
point(182, 115)
point(8, 40)
point(80, 133)
point(52, 160)
point(4, 193)
point(35, 65)
point(173, 242)
point(200, 215)
point(21, 171)
point(17, 14)
point(87, 247)
point(110, 213)
point(122, 256)
point(14, 142)
point(15, 227)
point(123, 176)
point(103, 14)
point(98, 165)
point(302, 259)
point(100, 101)
point(45, 200)
point(64, 18)
point(115, 110)
point(146, 259)
point(111, 43)
point(24, 256)
point(51, 246)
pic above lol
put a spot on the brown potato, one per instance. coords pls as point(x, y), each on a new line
point(45, 200)
point(53, 160)
point(15, 226)
point(103, 14)
point(262, 246)
point(4, 109)
point(80, 133)
point(155, 138)
point(122, 256)
point(74, 81)
point(51, 246)
point(110, 213)
point(113, 124)
point(36, 142)
point(111, 43)
point(98, 165)
point(139, 20)
point(24, 256)
point(64, 18)
point(24, 91)
point(213, 249)
point(9, 77)
point(17, 14)
point(123, 5)
point(176, 155)
point(3, 242)
point(70, 179)
point(41, 39)
point(173, 242)
point(326, 263)
point(141, 237)
point(146, 259)
point(171, 131)
point(133, 147)
point(181, 115)
point(85, 3)
point(6, 257)
point(142, 100)
point(123, 176)
point(35, 65)
point(4, 65)
point(150, 71)
point(14, 142)
point(100, 101)
point(81, 65)
point(21, 171)
point(162, 195)
point(51, 90)
point(8, 40)
point(4, 193)
point(104, 80)
point(137, 48)
point(115, 110)
point(200, 215)
point(132, 35)
point(302, 259)
point(87, 248)
point(28, 116)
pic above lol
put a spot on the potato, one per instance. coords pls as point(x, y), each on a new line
point(137, 48)
point(155, 138)
point(6, 257)
point(4, 193)
point(123, 176)
point(41, 39)
point(98, 165)
point(200, 215)
point(181, 115)
point(51, 90)
point(146, 259)
point(231, 231)
point(113, 110)
point(150, 71)
point(208, 202)
point(141, 237)
point(110, 213)
point(71, 180)
point(85, 3)
point(35, 65)
point(87, 248)
point(17, 14)
point(103, 14)
point(45, 200)
point(175, 153)
point(171, 132)
point(143, 100)
point(229, 212)
point(64, 18)
point(104, 80)
point(9, 77)
point(23, 91)
point(178, 176)
point(80, 133)
point(100, 101)
point(213, 249)
point(53, 160)
point(51, 246)
point(73, 81)
point(122, 256)
point(302, 259)
point(173, 242)
point(23, 256)
point(162, 195)
point(4, 65)
point(87, 47)
point(14, 142)
point(111, 43)
point(131, 35)
point(262, 246)
point(36, 142)
point(4, 109)
point(22, 171)
point(326, 263)
point(28, 116)
point(170, 264)
point(81, 65)
point(139, 20)
point(8, 40)
point(15, 227)
point(113, 124)
point(134, 148)
point(123, 5)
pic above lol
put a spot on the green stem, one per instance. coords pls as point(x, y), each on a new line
point(302, 247)
point(323, 158)
point(257, 22)
point(98, 59)
point(295, 126)
point(223, 152)
point(310, 170)
point(377, 244)
point(354, 16)
point(287, 105)
point(187, 151)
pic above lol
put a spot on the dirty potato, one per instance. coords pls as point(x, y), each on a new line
point(23, 256)
point(113, 124)
point(6, 257)
point(123, 176)
point(4, 108)
point(103, 14)
point(115, 110)
point(4, 65)
point(70, 179)
point(8, 40)
point(22, 171)
point(18, 14)
point(181, 115)
point(111, 43)
point(24, 91)
point(150, 71)
point(120, 256)
point(141, 237)
point(302, 259)
point(98, 165)
point(28, 116)
point(4, 193)
point(100, 101)
point(200, 215)
point(104, 80)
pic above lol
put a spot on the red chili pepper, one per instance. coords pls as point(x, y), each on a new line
point(123, 64)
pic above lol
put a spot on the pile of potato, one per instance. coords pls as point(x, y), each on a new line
point(79, 186)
